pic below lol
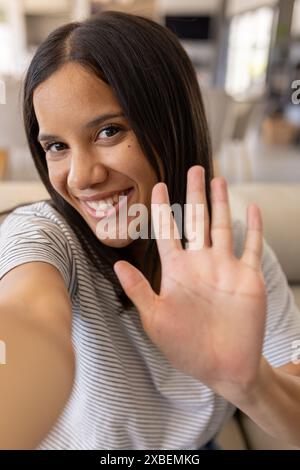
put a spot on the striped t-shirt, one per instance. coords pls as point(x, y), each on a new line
point(126, 395)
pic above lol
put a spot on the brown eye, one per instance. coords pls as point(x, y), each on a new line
point(55, 147)
point(110, 131)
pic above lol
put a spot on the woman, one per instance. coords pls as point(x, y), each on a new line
point(112, 107)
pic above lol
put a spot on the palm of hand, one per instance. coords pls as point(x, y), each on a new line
point(209, 317)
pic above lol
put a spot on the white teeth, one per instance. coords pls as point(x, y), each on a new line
point(109, 200)
point(101, 205)
point(97, 205)
point(105, 204)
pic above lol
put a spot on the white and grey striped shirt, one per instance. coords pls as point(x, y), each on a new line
point(126, 395)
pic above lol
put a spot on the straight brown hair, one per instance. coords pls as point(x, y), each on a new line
point(157, 88)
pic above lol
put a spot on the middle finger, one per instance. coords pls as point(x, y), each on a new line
point(196, 194)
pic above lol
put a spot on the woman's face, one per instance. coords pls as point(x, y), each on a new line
point(90, 154)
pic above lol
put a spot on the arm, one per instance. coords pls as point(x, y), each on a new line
point(36, 381)
point(273, 402)
point(210, 314)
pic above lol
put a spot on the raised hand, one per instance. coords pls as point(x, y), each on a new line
point(209, 317)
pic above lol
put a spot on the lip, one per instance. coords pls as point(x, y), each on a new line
point(96, 214)
point(99, 196)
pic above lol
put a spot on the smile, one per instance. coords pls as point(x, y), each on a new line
point(107, 207)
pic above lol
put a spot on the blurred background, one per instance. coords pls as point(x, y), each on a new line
point(247, 57)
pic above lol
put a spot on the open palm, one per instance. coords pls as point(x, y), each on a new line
point(209, 317)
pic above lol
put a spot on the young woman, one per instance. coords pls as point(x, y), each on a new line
point(124, 342)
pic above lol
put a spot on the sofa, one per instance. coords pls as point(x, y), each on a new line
point(281, 215)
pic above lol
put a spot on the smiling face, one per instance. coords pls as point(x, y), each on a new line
point(91, 151)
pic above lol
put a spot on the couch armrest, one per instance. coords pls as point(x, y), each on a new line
point(13, 193)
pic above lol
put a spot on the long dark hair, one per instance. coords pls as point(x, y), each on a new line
point(157, 88)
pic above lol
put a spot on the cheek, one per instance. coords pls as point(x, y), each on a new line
point(58, 177)
point(138, 167)
point(147, 176)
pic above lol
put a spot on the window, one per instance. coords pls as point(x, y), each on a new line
point(248, 52)
point(6, 52)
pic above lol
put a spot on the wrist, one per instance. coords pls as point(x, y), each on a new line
point(259, 389)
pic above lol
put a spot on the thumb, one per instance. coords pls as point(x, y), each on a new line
point(136, 286)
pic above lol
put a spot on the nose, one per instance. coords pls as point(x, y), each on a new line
point(85, 171)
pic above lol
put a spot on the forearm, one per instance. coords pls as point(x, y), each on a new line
point(35, 382)
point(274, 404)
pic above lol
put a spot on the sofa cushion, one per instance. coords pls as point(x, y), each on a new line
point(280, 208)
point(14, 193)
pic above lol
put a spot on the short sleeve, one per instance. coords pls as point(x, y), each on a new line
point(282, 329)
point(26, 235)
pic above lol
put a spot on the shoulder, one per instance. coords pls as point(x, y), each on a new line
point(38, 232)
point(37, 212)
point(36, 217)
point(282, 327)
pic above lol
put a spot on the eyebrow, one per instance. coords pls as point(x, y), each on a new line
point(95, 122)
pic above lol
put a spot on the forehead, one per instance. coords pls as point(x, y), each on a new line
point(72, 94)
